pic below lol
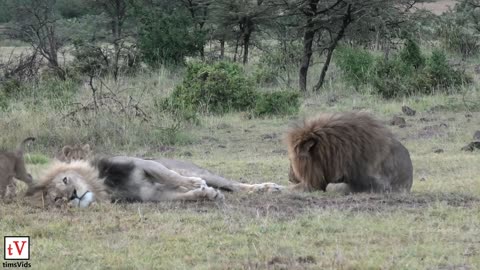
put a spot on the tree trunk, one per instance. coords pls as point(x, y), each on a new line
point(116, 40)
point(246, 44)
point(236, 50)
point(308, 36)
point(347, 19)
point(222, 48)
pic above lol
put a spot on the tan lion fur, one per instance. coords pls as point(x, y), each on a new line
point(352, 148)
point(12, 165)
point(49, 190)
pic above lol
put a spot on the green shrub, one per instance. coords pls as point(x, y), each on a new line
point(90, 59)
point(277, 103)
point(213, 88)
point(3, 101)
point(356, 64)
point(441, 73)
point(278, 64)
point(12, 87)
point(391, 78)
point(411, 55)
point(168, 37)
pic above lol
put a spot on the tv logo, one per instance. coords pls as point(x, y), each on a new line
point(16, 248)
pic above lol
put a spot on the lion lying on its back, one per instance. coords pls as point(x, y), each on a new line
point(129, 179)
point(350, 148)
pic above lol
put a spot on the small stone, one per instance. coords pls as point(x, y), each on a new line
point(476, 135)
point(438, 150)
point(221, 146)
point(397, 121)
point(408, 111)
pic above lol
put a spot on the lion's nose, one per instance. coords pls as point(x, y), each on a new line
point(74, 195)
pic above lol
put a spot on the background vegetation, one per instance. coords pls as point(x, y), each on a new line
point(218, 82)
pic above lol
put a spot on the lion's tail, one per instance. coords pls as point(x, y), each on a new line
point(21, 146)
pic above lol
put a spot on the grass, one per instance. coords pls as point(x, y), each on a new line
point(437, 226)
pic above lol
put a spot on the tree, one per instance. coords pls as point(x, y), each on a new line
point(167, 33)
point(199, 11)
point(326, 23)
point(35, 22)
point(117, 13)
point(243, 17)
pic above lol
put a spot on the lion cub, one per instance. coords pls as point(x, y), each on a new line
point(12, 165)
point(75, 152)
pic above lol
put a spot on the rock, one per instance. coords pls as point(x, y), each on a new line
point(221, 146)
point(438, 150)
point(187, 154)
point(471, 146)
point(476, 136)
point(269, 136)
point(398, 121)
point(423, 179)
point(408, 111)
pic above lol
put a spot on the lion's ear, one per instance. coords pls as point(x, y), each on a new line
point(303, 149)
point(66, 150)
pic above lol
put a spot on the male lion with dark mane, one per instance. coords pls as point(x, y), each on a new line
point(353, 149)
point(129, 179)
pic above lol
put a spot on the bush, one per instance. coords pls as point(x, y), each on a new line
point(213, 88)
point(411, 55)
point(406, 73)
point(277, 63)
point(12, 87)
point(399, 77)
point(90, 59)
point(356, 64)
point(168, 37)
point(277, 103)
point(391, 78)
point(442, 75)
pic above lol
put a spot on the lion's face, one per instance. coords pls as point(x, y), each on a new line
point(75, 152)
point(66, 187)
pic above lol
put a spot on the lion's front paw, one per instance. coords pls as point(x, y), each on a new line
point(197, 182)
point(210, 193)
point(267, 187)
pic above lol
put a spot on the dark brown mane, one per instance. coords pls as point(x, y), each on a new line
point(333, 147)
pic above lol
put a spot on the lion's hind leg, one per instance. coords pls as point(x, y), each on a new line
point(8, 188)
point(234, 186)
point(202, 193)
point(161, 174)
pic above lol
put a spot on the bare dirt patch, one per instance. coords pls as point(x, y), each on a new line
point(289, 205)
